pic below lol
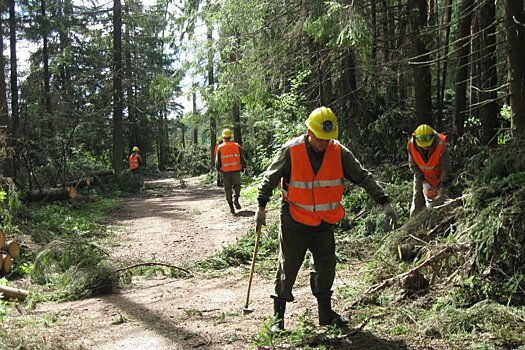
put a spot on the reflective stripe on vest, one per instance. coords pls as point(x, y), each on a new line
point(230, 156)
point(133, 161)
point(432, 168)
point(315, 198)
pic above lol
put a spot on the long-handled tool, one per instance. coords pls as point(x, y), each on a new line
point(246, 309)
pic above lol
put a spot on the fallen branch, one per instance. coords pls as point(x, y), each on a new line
point(443, 254)
point(13, 293)
point(152, 264)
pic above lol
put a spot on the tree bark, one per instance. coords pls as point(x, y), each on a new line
point(420, 62)
point(211, 82)
point(6, 158)
point(515, 25)
point(463, 50)
point(489, 77)
point(118, 104)
point(14, 70)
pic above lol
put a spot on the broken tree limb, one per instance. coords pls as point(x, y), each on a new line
point(152, 264)
point(443, 254)
point(13, 293)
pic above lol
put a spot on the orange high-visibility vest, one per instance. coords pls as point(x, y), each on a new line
point(230, 156)
point(134, 161)
point(315, 197)
point(215, 152)
point(432, 168)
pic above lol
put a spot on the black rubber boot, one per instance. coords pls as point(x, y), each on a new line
point(327, 316)
point(236, 202)
point(232, 209)
point(279, 307)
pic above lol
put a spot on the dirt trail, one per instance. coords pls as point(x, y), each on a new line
point(172, 223)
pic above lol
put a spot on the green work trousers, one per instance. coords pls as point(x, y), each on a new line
point(232, 183)
point(294, 241)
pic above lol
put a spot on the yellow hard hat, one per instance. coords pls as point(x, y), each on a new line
point(323, 123)
point(135, 149)
point(424, 135)
point(227, 133)
point(219, 139)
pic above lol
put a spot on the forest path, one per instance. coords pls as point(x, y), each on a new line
point(173, 222)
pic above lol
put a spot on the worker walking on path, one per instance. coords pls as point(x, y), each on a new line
point(230, 162)
point(311, 169)
point(135, 160)
point(429, 161)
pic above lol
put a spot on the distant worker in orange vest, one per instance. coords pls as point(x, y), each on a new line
point(429, 161)
point(230, 162)
point(311, 170)
point(219, 176)
point(135, 160)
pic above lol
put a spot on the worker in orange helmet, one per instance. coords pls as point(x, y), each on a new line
point(311, 169)
point(230, 162)
point(429, 161)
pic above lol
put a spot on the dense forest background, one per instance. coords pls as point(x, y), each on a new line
point(102, 77)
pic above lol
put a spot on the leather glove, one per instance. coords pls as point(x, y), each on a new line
point(390, 214)
point(260, 216)
point(441, 196)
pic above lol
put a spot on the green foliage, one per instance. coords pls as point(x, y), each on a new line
point(74, 268)
point(64, 220)
point(505, 325)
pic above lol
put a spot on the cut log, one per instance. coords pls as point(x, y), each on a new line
point(2, 238)
point(13, 293)
point(12, 248)
point(6, 260)
point(69, 192)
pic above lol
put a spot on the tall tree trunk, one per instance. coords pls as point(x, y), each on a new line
point(442, 73)
point(347, 90)
point(420, 62)
point(211, 82)
point(131, 98)
point(463, 50)
point(118, 103)
point(6, 159)
point(14, 70)
point(45, 62)
point(489, 78)
point(514, 22)
point(196, 125)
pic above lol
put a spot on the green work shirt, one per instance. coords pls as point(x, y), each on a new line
point(281, 167)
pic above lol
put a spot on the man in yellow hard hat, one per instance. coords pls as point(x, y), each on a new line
point(135, 160)
point(311, 170)
point(429, 161)
point(230, 162)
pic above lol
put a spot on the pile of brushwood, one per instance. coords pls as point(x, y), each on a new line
point(473, 245)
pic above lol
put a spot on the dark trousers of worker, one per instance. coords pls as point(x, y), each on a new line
point(232, 185)
point(294, 242)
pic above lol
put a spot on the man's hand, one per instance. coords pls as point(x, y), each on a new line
point(390, 214)
point(260, 216)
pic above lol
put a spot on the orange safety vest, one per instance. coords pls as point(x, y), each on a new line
point(230, 156)
point(134, 161)
point(315, 197)
point(432, 168)
point(215, 152)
